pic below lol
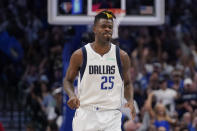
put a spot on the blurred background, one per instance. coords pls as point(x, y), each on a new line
point(34, 56)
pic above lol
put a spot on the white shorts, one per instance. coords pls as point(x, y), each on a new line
point(88, 120)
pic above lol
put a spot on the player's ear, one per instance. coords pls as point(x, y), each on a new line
point(94, 28)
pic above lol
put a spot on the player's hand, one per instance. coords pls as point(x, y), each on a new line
point(130, 105)
point(73, 102)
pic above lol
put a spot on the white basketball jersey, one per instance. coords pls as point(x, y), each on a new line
point(100, 81)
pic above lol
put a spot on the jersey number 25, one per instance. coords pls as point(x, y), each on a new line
point(105, 80)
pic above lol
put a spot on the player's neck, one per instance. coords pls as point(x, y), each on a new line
point(101, 42)
point(100, 48)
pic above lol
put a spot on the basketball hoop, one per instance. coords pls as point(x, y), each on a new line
point(119, 13)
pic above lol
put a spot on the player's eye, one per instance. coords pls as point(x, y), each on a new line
point(103, 26)
point(110, 27)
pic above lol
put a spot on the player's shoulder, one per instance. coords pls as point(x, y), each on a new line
point(123, 54)
point(77, 57)
point(124, 57)
point(77, 53)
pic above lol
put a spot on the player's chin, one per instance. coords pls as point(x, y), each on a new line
point(108, 38)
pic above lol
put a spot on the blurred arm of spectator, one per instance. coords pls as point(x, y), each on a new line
point(26, 73)
point(42, 64)
point(187, 106)
point(191, 65)
point(55, 49)
point(19, 24)
point(194, 124)
point(195, 81)
point(134, 58)
point(145, 53)
point(159, 45)
point(41, 103)
point(143, 60)
point(184, 106)
point(130, 125)
point(153, 82)
point(170, 120)
point(194, 53)
point(148, 105)
point(140, 42)
point(139, 55)
point(145, 122)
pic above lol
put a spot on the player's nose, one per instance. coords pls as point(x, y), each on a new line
point(107, 29)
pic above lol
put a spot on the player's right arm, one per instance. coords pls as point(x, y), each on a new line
point(72, 71)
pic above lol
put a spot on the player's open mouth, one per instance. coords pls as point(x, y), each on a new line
point(108, 34)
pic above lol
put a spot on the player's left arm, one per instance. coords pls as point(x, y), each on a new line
point(128, 91)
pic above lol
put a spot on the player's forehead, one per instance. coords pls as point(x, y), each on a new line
point(105, 21)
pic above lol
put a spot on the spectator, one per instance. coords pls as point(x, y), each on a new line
point(177, 82)
point(194, 124)
point(187, 120)
point(46, 100)
point(186, 102)
point(57, 94)
point(166, 96)
point(159, 114)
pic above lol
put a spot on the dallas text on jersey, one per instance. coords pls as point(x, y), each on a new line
point(101, 69)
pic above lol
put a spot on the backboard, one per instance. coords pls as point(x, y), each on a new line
point(81, 12)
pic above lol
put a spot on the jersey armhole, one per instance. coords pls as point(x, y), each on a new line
point(82, 69)
point(119, 61)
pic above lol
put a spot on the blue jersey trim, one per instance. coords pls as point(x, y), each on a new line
point(119, 61)
point(84, 62)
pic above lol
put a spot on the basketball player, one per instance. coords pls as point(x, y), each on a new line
point(103, 77)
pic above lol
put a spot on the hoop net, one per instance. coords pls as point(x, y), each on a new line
point(119, 13)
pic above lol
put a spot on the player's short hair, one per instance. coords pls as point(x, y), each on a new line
point(104, 15)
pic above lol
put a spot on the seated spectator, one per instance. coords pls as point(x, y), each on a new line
point(186, 101)
point(153, 81)
point(57, 94)
point(177, 82)
point(34, 108)
point(46, 100)
point(187, 120)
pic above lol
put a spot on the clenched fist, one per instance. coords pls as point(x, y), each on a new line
point(130, 105)
point(73, 102)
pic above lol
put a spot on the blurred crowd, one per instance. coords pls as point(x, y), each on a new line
point(164, 61)
point(164, 66)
